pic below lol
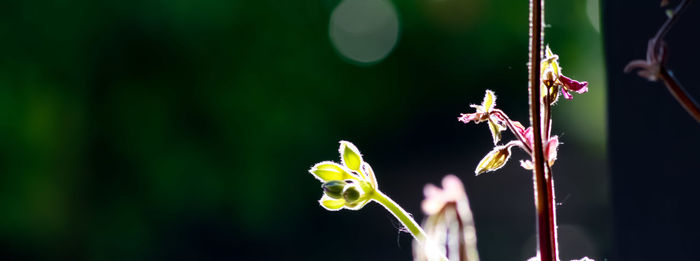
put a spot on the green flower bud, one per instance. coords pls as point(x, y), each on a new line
point(334, 188)
point(351, 194)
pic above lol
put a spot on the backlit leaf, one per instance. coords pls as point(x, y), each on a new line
point(327, 171)
point(331, 203)
point(494, 160)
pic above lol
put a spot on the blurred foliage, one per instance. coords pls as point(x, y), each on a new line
point(142, 130)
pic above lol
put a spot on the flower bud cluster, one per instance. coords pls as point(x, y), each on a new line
point(347, 185)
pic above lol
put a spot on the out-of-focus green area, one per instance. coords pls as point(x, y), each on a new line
point(142, 130)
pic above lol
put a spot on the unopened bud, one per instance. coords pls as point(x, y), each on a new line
point(334, 188)
point(351, 194)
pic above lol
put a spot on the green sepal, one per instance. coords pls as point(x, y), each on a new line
point(357, 205)
point(331, 203)
point(350, 155)
point(327, 171)
point(496, 130)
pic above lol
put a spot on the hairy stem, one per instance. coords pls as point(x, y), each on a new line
point(400, 214)
point(543, 197)
point(552, 212)
point(517, 134)
point(404, 217)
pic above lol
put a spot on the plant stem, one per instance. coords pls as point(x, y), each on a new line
point(678, 92)
point(552, 212)
point(543, 192)
point(656, 57)
point(671, 20)
point(517, 134)
point(400, 214)
point(404, 217)
point(547, 119)
point(673, 85)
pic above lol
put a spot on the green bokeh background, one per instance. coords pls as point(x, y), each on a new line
point(149, 130)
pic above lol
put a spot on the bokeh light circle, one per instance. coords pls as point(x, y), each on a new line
point(364, 31)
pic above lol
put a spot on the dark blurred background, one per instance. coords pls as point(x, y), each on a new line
point(653, 142)
point(183, 130)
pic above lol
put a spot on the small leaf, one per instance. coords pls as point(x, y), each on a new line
point(350, 155)
point(496, 130)
point(489, 101)
point(331, 204)
point(327, 171)
point(494, 160)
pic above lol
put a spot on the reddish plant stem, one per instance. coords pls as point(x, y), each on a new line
point(509, 123)
point(551, 203)
point(547, 119)
point(673, 85)
point(544, 198)
point(671, 20)
point(678, 92)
